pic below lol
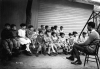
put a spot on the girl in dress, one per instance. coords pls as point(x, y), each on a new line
point(23, 39)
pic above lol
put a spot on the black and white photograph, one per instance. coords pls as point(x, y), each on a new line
point(49, 34)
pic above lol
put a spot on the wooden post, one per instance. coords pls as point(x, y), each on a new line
point(28, 12)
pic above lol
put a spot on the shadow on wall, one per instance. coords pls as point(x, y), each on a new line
point(13, 12)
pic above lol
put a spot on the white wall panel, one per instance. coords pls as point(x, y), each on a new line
point(71, 15)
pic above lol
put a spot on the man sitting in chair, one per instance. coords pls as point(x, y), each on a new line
point(84, 47)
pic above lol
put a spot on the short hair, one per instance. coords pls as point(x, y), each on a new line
point(35, 30)
point(22, 24)
point(46, 26)
point(7, 24)
point(30, 26)
point(61, 26)
point(42, 25)
point(47, 31)
point(53, 33)
point(62, 34)
point(40, 32)
point(84, 33)
point(13, 25)
point(74, 32)
point(52, 28)
point(55, 26)
point(70, 34)
point(92, 24)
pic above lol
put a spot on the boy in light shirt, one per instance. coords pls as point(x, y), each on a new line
point(70, 42)
point(75, 36)
point(63, 43)
point(83, 38)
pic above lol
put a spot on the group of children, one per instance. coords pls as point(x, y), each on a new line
point(45, 40)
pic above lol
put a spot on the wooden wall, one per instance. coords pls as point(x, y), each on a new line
point(71, 15)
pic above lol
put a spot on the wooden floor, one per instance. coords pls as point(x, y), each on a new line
point(44, 62)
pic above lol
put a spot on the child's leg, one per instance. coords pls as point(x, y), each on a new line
point(10, 43)
point(52, 47)
point(56, 47)
point(27, 47)
point(44, 49)
point(49, 48)
point(6, 51)
point(18, 44)
point(39, 49)
point(14, 43)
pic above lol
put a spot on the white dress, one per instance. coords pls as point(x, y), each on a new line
point(22, 37)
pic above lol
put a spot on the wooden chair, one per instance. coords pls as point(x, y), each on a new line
point(95, 54)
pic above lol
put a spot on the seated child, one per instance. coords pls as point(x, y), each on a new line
point(16, 44)
point(42, 29)
point(6, 42)
point(40, 43)
point(75, 36)
point(61, 29)
point(55, 40)
point(23, 39)
point(56, 30)
point(83, 38)
point(63, 42)
point(34, 35)
point(30, 33)
point(46, 28)
point(49, 43)
point(70, 42)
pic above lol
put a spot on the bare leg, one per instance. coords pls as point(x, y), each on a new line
point(49, 50)
point(27, 47)
point(52, 47)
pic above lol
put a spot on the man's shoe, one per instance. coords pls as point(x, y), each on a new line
point(70, 58)
point(76, 62)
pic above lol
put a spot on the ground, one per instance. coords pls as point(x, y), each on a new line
point(44, 62)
